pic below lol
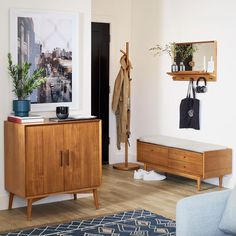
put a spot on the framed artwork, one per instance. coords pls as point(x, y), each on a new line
point(48, 40)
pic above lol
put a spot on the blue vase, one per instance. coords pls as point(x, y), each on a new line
point(21, 107)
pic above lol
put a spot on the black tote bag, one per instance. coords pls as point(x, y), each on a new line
point(189, 109)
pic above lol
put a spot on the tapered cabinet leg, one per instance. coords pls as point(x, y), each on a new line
point(75, 196)
point(11, 196)
point(198, 184)
point(220, 182)
point(29, 209)
point(95, 197)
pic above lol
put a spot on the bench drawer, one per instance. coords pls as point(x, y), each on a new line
point(186, 167)
point(186, 156)
point(154, 154)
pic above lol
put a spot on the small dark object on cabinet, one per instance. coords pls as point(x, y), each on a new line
point(62, 112)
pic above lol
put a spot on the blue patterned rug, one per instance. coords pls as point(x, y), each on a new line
point(133, 223)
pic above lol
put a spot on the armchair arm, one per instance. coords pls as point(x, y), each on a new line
point(200, 215)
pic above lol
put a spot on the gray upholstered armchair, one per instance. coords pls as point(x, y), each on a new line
point(200, 215)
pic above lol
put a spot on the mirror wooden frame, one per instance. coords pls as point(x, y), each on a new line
point(187, 75)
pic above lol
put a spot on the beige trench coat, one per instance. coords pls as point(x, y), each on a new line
point(121, 102)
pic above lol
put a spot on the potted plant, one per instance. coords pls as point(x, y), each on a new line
point(183, 52)
point(23, 85)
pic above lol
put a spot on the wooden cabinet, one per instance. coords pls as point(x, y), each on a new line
point(50, 158)
point(190, 164)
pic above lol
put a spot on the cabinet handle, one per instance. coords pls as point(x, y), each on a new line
point(62, 157)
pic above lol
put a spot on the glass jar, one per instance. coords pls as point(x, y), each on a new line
point(174, 67)
point(181, 66)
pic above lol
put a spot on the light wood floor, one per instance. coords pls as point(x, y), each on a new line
point(119, 192)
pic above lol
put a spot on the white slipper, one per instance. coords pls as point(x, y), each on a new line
point(152, 175)
point(138, 174)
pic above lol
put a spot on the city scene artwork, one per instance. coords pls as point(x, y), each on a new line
point(46, 42)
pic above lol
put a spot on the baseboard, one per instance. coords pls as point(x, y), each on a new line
point(3, 201)
point(20, 202)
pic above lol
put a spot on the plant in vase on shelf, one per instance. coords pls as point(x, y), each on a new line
point(23, 85)
point(183, 52)
point(170, 49)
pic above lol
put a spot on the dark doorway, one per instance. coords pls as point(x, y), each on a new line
point(100, 81)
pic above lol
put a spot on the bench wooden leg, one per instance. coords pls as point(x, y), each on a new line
point(145, 166)
point(95, 197)
point(29, 209)
point(11, 196)
point(220, 182)
point(75, 196)
point(198, 184)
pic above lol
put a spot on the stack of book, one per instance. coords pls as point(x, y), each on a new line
point(26, 119)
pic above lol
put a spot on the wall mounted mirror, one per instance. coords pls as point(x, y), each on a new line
point(203, 55)
point(195, 59)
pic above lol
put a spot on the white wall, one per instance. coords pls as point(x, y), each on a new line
point(82, 6)
point(118, 14)
point(156, 97)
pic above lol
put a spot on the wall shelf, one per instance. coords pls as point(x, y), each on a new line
point(206, 52)
point(187, 75)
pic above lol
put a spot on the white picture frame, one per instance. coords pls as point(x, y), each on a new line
point(50, 40)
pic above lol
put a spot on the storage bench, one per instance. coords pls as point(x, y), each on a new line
point(191, 159)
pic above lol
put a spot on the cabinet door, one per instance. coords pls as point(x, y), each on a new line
point(34, 161)
point(53, 158)
point(82, 142)
point(44, 166)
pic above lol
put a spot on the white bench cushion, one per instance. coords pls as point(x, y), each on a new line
point(181, 143)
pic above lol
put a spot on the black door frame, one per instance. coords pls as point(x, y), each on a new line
point(100, 80)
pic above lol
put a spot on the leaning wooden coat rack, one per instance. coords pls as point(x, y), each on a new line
point(127, 165)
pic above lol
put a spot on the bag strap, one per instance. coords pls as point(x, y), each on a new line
point(188, 91)
point(191, 90)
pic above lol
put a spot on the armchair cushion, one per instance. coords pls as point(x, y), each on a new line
point(200, 215)
point(228, 220)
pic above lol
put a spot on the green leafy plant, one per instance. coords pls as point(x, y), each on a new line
point(185, 50)
point(23, 82)
point(169, 48)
